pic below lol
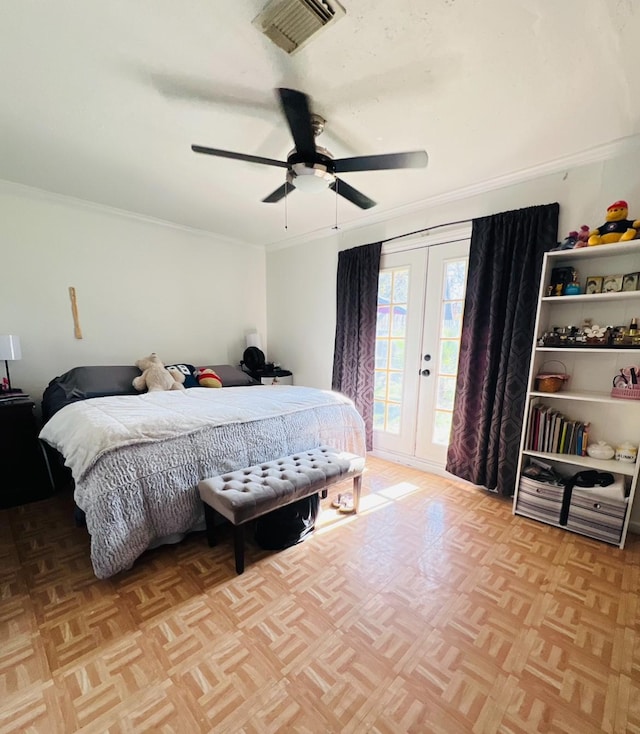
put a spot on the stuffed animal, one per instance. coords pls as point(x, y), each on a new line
point(583, 236)
point(574, 239)
point(207, 377)
point(617, 228)
point(155, 376)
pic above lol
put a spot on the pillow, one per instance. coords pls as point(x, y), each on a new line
point(231, 376)
point(99, 381)
point(188, 370)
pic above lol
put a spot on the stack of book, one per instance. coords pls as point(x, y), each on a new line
point(549, 431)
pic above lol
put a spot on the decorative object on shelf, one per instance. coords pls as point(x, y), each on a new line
point(625, 385)
point(573, 288)
point(631, 282)
point(587, 335)
point(612, 283)
point(596, 334)
point(626, 452)
point(560, 278)
point(617, 228)
point(574, 239)
point(600, 450)
point(9, 350)
point(593, 284)
point(549, 380)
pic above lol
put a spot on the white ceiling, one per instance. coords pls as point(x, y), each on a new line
point(102, 100)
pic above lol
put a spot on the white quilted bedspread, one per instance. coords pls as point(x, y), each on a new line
point(83, 431)
point(137, 459)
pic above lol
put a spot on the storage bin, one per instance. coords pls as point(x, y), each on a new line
point(539, 500)
point(596, 516)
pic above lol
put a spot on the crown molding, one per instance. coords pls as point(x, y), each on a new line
point(32, 192)
point(607, 151)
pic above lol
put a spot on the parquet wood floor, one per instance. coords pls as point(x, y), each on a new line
point(435, 610)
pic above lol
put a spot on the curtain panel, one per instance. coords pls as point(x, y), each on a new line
point(505, 262)
point(356, 312)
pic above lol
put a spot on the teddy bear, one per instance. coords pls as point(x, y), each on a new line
point(155, 376)
point(617, 228)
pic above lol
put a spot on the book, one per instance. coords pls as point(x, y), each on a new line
point(563, 437)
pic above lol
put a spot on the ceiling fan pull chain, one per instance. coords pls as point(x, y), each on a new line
point(335, 226)
point(286, 221)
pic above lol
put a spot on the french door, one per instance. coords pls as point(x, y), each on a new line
point(420, 308)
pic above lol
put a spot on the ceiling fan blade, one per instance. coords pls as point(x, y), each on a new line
point(239, 156)
point(295, 106)
point(413, 159)
point(279, 193)
point(353, 195)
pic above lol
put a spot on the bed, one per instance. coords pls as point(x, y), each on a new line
point(136, 459)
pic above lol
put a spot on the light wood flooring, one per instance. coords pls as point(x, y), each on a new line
point(434, 610)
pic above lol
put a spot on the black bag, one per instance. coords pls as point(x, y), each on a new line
point(287, 525)
point(588, 478)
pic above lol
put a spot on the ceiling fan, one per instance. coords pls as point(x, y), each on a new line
point(311, 167)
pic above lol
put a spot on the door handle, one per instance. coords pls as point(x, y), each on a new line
point(425, 373)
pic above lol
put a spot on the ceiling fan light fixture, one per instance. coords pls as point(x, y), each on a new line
point(310, 179)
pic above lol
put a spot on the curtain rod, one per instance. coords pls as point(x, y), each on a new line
point(426, 229)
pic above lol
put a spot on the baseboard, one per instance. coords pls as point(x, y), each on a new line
point(431, 467)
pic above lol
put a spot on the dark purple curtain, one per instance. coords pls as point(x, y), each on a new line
point(505, 261)
point(356, 311)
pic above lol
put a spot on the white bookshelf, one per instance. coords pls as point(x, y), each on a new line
point(586, 396)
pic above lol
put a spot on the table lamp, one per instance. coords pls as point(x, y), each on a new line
point(9, 350)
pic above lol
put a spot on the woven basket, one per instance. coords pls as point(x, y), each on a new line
point(632, 392)
point(549, 381)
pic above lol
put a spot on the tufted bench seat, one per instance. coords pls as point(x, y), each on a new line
point(243, 495)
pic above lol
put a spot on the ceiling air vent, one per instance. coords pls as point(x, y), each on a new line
point(291, 23)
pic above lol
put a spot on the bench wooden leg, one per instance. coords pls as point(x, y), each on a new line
point(357, 485)
point(238, 542)
point(210, 519)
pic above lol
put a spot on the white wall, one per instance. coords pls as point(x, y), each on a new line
point(142, 286)
point(301, 280)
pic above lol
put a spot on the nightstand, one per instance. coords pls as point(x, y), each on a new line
point(278, 377)
point(24, 473)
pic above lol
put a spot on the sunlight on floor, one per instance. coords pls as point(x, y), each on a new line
point(330, 517)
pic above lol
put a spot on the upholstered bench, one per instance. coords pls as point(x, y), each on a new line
point(243, 495)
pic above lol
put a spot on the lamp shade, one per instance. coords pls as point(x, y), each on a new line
point(253, 340)
point(10, 347)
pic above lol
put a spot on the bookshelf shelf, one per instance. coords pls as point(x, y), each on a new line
point(586, 462)
point(585, 400)
point(583, 396)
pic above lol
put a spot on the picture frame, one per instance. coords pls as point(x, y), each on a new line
point(612, 283)
point(631, 282)
point(594, 284)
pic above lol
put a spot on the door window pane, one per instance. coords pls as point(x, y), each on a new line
point(382, 353)
point(452, 308)
point(391, 333)
point(397, 354)
point(449, 350)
